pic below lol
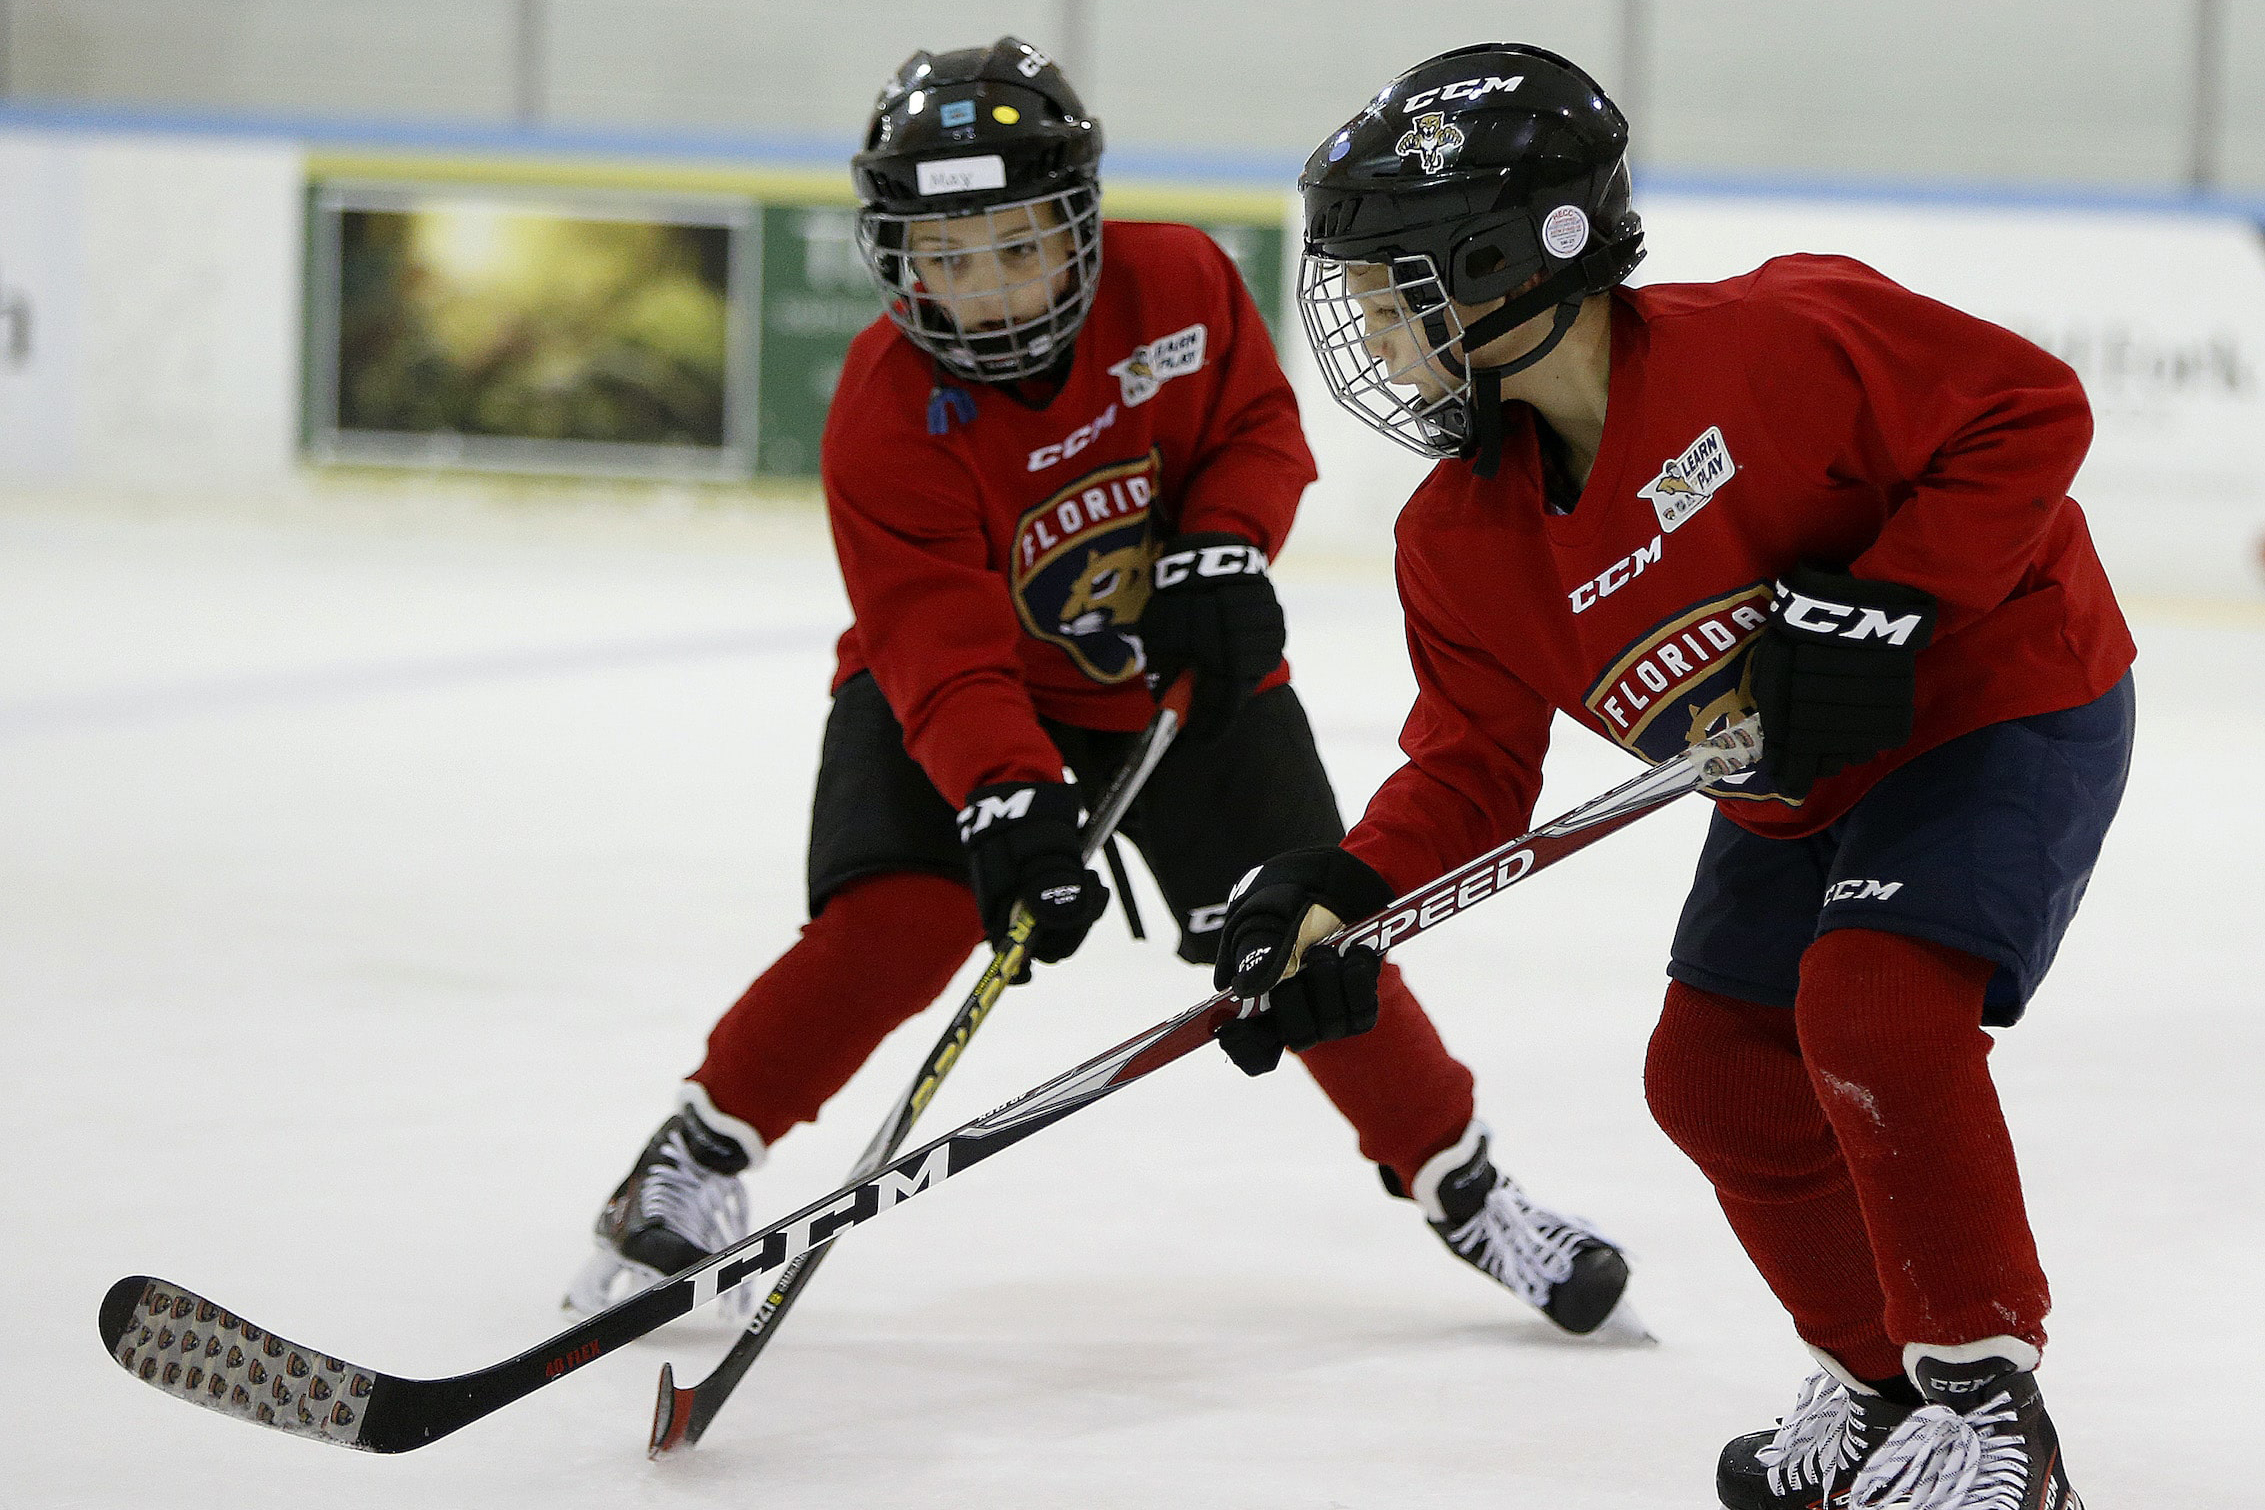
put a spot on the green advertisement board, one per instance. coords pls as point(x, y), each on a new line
point(816, 295)
point(701, 314)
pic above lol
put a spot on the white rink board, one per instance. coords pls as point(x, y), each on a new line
point(165, 308)
point(163, 279)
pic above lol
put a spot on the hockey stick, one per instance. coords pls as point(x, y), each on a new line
point(681, 1416)
point(190, 1348)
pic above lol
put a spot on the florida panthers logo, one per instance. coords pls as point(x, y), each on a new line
point(1081, 566)
point(1431, 140)
point(1111, 588)
point(1687, 679)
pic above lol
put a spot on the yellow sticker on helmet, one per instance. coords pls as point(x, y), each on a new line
point(1005, 115)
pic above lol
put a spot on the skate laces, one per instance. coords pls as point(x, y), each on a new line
point(1529, 1250)
point(1816, 1441)
point(1939, 1459)
point(699, 1205)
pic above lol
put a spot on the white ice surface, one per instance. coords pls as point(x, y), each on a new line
point(364, 891)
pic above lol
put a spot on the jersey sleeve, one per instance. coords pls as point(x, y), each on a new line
point(938, 628)
point(1475, 741)
point(1971, 434)
point(1251, 463)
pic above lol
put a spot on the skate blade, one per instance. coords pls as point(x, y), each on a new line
point(607, 1279)
point(1622, 1327)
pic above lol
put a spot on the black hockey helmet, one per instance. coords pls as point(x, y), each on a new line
point(992, 135)
point(1462, 181)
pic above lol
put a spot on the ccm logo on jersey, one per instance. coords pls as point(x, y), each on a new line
point(1461, 89)
point(1616, 576)
point(1210, 561)
point(1076, 441)
point(1862, 891)
point(1841, 621)
point(985, 811)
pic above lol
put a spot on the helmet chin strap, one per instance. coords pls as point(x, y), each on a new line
point(1483, 446)
point(1566, 289)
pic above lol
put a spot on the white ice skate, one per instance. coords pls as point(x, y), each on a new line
point(680, 1202)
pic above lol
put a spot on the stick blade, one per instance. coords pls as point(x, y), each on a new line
point(183, 1345)
point(672, 1418)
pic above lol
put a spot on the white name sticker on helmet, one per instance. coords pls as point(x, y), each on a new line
point(961, 175)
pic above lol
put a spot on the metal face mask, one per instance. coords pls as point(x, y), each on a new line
point(1390, 347)
point(994, 294)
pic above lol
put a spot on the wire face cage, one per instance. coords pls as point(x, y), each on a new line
point(1389, 342)
point(994, 294)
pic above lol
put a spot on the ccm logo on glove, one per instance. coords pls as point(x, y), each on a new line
point(1211, 611)
point(984, 811)
point(1022, 845)
point(1834, 673)
point(1234, 559)
point(1849, 621)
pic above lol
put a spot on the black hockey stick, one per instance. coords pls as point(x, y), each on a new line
point(681, 1416)
point(188, 1347)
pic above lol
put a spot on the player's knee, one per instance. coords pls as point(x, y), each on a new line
point(1725, 1083)
point(903, 929)
point(1678, 1085)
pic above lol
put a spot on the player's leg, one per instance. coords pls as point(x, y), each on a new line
point(1919, 947)
point(1954, 882)
point(1216, 808)
point(1726, 1082)
point(891, 921)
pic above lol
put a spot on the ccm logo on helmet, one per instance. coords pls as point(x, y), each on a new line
point(1840, 621)
point(1461, 89)
point(1210, 561)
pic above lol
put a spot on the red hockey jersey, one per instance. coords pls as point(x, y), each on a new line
point(995, 568)
point(1810, 410)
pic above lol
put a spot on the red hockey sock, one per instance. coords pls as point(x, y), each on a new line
point(880, 952)
point(1725, 1081)
point(1406, 1096)
point(1891, 1031)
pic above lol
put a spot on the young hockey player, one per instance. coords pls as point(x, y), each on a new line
point(1807, 493)
point(1060, 463)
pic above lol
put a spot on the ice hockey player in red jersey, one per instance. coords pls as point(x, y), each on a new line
point(1805, 493)
point(1057, 469)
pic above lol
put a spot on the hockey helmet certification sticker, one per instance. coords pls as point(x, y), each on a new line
point(957, 113)
point(1565, 231)
point(1080, 566)
point(962, 175)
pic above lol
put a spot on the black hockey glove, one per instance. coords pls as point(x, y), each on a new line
point(1211, 606)
point(1022, 846)
point(1835, 672)
point(1274, 915)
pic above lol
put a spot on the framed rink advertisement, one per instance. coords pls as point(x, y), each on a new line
point(531, 330)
